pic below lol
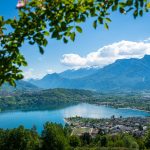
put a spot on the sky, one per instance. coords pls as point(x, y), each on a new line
point(126, 38)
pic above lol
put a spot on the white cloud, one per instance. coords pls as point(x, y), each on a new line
point(147, 40)
point(34, 74)
point(74, 60)
point(28, 74)
point(108, 54)
point(50, 71)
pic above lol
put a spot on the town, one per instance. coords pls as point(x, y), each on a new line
point(135, 126)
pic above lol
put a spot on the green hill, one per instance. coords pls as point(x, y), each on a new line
point(44, 98)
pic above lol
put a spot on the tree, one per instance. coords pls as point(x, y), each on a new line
point(74, 141)
point(19, 139)
point(36, 21)
point(86, 138)
point(103, 141)
point(129, 142)
point(147, 140)
point(53, 137)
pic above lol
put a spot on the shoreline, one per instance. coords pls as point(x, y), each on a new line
point(134, 109)
point(121, 107)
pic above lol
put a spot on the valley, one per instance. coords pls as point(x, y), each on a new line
point(98, 105)
point(122, 84)
point(94, 102)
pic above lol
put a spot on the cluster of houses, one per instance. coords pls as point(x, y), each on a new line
point(136, 126)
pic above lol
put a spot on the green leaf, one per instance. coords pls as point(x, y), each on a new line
point(1, 18)
point(79, 29)
point(12, 82)
point(9, 21)
point(95, 24)
point(46, 33)
point(72, 36)
point(55, 34)
point(45, 42)
point(24, 63)
point(114, 8)
point(129, 2)
point(19, 76)
point(141, 13)
point(131, 8)
point(70, 28)
point(65, 40)
point(122, 11)
point(100, 20)
point(106, 26)
point(135, 14)
point(108, 19)
point(148, 5)
point(41, 50)
point(31, 42)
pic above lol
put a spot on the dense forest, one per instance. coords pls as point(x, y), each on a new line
point(57, 137)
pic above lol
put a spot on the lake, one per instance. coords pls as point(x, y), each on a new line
point(38, 118)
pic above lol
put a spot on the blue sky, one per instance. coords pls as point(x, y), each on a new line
point(88, 48)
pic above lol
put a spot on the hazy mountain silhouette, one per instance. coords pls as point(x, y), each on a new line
point(124, 74)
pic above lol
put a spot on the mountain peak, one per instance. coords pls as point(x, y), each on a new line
point(51, 75)
point(146, 57)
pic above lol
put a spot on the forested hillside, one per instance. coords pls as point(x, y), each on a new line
point(44, 98)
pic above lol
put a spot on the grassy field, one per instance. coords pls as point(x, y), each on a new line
point(79, 131)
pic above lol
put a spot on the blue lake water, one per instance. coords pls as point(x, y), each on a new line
point(38, 118)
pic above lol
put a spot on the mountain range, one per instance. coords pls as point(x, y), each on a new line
point(123, 75)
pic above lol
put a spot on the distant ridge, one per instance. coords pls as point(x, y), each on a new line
point(20, 86)
point(79, 73)
point(123, 75)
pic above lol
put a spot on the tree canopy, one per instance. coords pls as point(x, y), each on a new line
point(59, 19)
point(54, 138)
